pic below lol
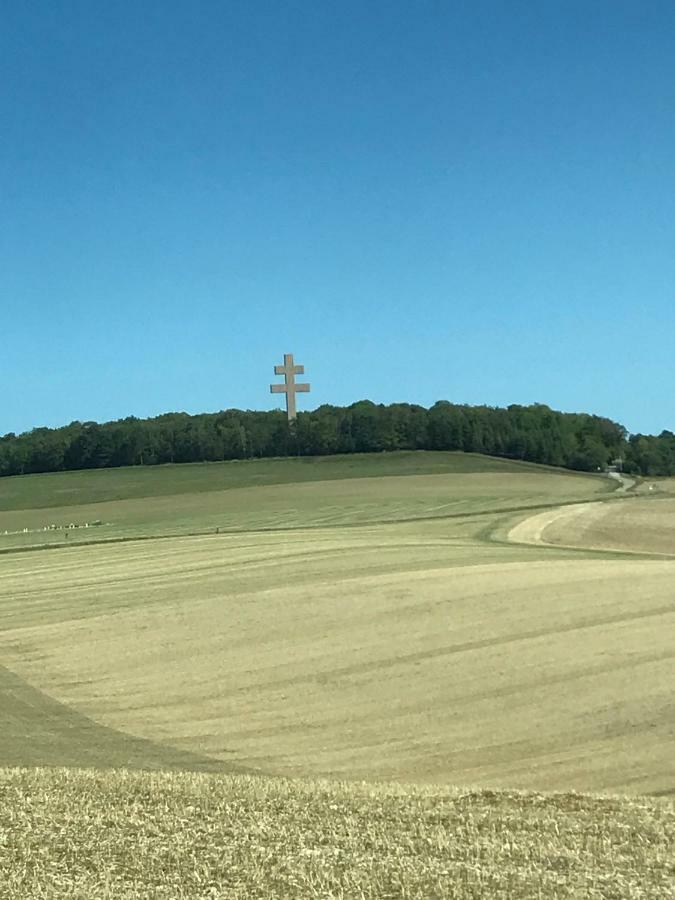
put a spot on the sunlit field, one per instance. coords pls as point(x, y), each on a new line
point(465, 624)
point(272, 494)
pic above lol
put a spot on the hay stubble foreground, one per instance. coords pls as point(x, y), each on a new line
point(134, 836)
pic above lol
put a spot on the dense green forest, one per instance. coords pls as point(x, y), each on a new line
point(534, 433)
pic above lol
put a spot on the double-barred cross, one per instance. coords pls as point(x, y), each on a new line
point(290, 387)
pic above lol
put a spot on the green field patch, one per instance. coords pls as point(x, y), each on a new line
point(71, 489)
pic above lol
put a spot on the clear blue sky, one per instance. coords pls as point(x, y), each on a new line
point(472, 201)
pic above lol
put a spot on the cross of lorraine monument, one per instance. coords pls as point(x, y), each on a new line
point(290, 387)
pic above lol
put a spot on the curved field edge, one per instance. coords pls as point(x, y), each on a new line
point(37, 730)
point(86, 834)
point(642, 527)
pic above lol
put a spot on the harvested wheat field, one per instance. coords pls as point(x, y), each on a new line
point(91, 835)
point(473, 626)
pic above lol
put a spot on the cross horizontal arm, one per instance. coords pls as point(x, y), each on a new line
point(277, 388)
point(285, 370)
point(302, 388)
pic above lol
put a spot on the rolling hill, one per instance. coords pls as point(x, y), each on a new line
point(293, 643)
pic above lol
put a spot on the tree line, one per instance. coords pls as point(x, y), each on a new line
point(534, 433)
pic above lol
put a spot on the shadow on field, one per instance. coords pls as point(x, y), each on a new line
point(39, 731)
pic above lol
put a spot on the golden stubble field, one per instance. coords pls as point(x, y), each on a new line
point(418, 650)
point(116, 835)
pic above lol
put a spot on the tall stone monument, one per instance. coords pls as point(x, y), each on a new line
point(290, 387)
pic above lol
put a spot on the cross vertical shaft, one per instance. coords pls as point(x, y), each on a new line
point(290, 387)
